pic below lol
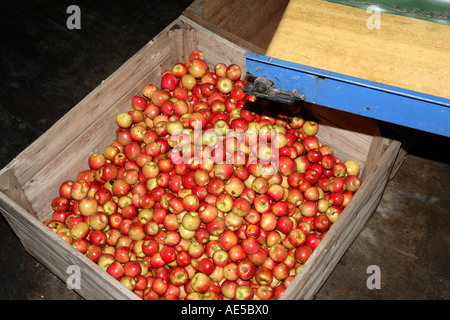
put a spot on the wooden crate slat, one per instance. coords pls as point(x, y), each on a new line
point(237, 22)
point(182, 43)
point(196, 13)
point(214, 13)
point(265, 33)
point(265, 17)
point(16, 193)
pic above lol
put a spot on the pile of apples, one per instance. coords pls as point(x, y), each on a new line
point(207, 192)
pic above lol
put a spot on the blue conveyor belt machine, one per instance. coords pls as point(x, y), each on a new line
point(287, 82)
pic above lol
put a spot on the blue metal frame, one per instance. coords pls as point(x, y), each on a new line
point(367, 98)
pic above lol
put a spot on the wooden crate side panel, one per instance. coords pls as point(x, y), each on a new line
point(249, 20)
point(249, 23)
point(4, 179)
point(215, 11)
point(216, 49)
point(193, 14)
point(346, 228)
point(376, 151)
point(241, 20)
point(267, 29)
point(260, 21)
point(57, 255)
point(182, 42)
point(15, 191)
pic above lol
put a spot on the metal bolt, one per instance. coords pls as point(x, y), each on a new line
point(260, 87)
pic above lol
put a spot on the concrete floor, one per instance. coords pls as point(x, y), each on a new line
point(46, 69)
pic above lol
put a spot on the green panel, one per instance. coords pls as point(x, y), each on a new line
point(437, 11)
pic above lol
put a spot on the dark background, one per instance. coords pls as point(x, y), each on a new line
point(46, 69)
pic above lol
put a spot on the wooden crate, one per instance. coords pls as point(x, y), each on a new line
point(250, 24)
point(31, 180)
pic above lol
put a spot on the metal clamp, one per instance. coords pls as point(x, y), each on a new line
point(263, 87)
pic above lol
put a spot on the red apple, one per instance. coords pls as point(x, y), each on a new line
point(228, 288)
point(233, 72)
point(262, 204)
point(280, 208)
point(234, 186)
point(258, 258)
point(246, 269)
point(241, 207)
point(302, 253)
point(311, 142)
point(286, 165)
point(220, 258)
point(285, 224)
point(160, 96)
point(297, 237)
point(179, 69)
point(308, 208)
point(268, 221)
point(224, 85)
point(281, 271)
point(278, 253)
point(200, 282)
point(264, 276)
point(353, 168)
point(216, 227)
point(310, 128)
point(244, 292)
point(207, 213)
point(220, 69)
point(312, 240)
point(352, 183)
point(328, 161)
point(178, 276)
point(237, 253)
point(250, 245)
point(333, 213)
point(198, 68)
point(265, 292)
point(206, 266)
point(336, 184)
